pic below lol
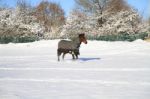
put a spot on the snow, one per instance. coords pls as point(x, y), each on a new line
point(104, 70)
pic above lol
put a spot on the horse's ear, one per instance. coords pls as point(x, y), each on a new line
point(80, 35)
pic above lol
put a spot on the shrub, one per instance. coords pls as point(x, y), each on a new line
point(25, 39)
point(119, 37)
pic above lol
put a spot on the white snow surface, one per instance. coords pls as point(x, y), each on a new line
point(104, 70)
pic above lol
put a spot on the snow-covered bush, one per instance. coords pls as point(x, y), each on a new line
point(43, 21)
point(123, 25)
point(76, 23)
point(108, 19)
point(15, 23)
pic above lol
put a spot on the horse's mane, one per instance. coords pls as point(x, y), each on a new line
point(75, 39)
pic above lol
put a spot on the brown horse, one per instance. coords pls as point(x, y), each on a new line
point(72, 47)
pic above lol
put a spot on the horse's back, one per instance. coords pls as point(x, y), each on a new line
point(65, 44)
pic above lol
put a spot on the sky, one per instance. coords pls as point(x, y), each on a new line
point(141, 5)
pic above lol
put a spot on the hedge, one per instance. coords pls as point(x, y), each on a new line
point(24, 39)
point(119, 37)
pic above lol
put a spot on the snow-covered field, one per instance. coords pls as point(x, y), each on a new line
point(105, 70)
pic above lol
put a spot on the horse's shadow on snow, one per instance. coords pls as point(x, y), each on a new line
point(88, 59)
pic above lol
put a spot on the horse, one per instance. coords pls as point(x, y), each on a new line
point(72, 47)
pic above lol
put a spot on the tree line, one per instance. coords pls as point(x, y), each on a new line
point(98, 19)
point(106, 20)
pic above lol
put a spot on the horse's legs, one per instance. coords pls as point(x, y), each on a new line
point(63, 56)
point(73, 56)
point(76, 56)
point(58, 54)
point(77, 53)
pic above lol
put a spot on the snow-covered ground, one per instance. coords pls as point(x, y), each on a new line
point(105, 70)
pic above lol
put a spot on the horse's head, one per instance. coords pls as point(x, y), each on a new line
point(82, 38)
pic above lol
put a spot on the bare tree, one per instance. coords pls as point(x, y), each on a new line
point(93, 6)
point(99, 7)
point(23, 5)
point(115, 6)
point(49, 13)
